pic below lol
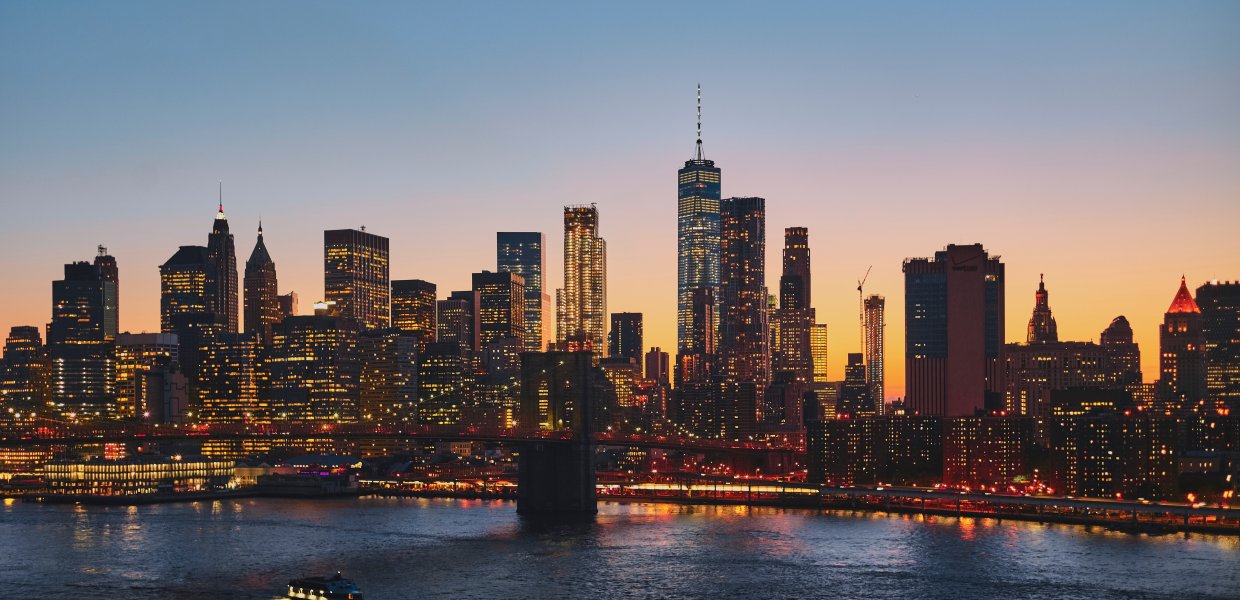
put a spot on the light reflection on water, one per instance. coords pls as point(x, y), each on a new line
point(402, 548)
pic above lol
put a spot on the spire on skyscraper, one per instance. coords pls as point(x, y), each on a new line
point(220, 214)
point(698, 155)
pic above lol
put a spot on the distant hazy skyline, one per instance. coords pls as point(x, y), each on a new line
point(1098, 143)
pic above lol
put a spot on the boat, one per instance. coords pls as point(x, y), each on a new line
point(324, 588)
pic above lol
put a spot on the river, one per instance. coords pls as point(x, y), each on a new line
point(419, 548)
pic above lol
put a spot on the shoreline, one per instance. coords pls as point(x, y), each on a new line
point(817, 504)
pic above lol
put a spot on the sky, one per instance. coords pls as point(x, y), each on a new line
point(1098, 143)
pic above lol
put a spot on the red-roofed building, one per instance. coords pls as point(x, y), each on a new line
point(1182, 365)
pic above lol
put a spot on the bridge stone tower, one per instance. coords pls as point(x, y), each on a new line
point(558, 393)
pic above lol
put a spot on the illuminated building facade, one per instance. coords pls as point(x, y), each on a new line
point(1182, 368)
point(388, 383)
point(796, 315)
point(581, 305)
point(623, 372)
point(229, 383)
point(899, 450)
point(413, 309)
point(355, 276)
point(744, 331)
point(222, 274)
point(625, 338)
point(1123, 353)
point(818, 347)
point(136, 354)
point(524, 253)
point(136, 475)
point(1033, 371)
point(314, 366)
point(986, 451)
point(444, 384)
point(456, 322)
point(79, 342)
point(262, 298)
point(698, 196)
point(183, 287)
point(1220, 327)
point(24, 369)
point(953, 331)
point(1101, 455)
point(501, 306)
point(875, 308)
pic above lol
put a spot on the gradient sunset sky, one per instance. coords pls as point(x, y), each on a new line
point(1098, 143)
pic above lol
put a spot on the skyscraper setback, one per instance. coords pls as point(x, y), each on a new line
point(581, 305)
point(355, 276)
point(524, 253)
point(953, 331)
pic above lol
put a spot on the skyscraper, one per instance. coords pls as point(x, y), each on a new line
point(697, 240)
point(796, 315)
point(855, 399)
point(355, 276)
point(222, 274)
point(24, 370)
point(953, 332)
point(262, 298)
point(625, 338)
point(79, 341)
point(314, 369)
point(1182, 368)
point(524, 253)
point(875, 372)
point(456, 322)
point(1042, 323)
point(108, 271)
point(1123, 354)
point(744, 350)
point(1220, 325)
point(581, 305)
point(183, 287)
point(658, 367)
point(413, 309)
point(288, 304)
point(818, 344)
point(136, 354)
point(501, 307)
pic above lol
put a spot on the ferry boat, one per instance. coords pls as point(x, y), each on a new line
point(324, 588)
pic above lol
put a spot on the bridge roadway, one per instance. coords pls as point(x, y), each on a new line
point(97, 434)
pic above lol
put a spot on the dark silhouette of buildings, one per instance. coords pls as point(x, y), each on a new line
point(222, 276)
point(625, 338)
point(262, 297)
point(1124, 354)
point(1042, 326)
point(953, 331)
point(24, 369)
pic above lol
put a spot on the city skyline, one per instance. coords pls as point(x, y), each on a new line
point(1109, 207)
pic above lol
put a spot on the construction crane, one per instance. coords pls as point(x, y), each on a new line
point(861, 304)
